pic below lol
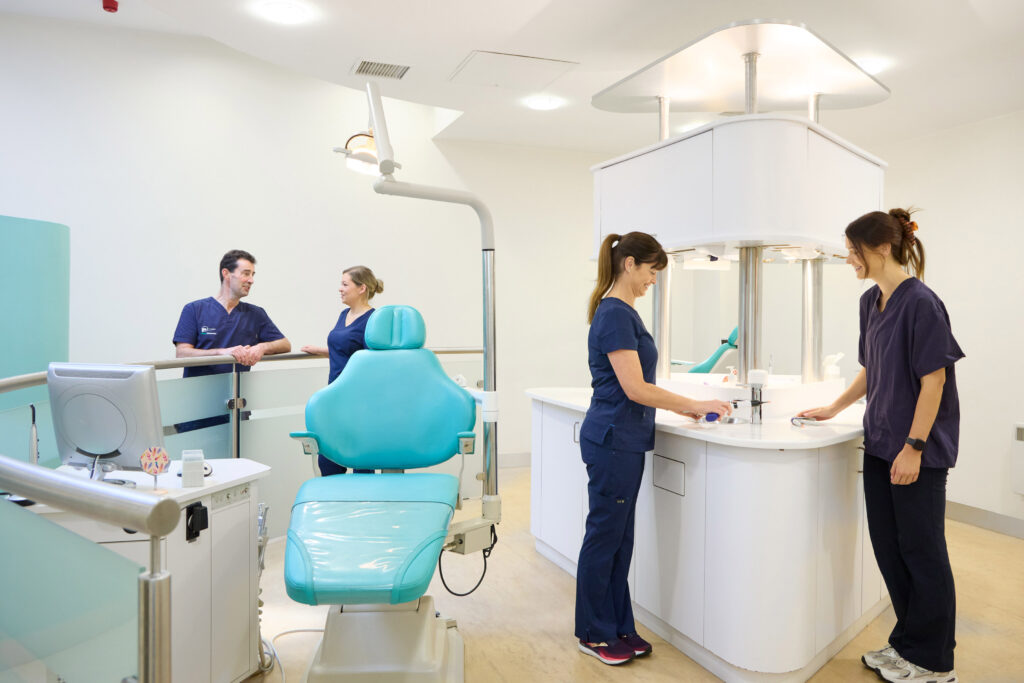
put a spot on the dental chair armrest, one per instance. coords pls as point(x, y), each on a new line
point(467, 443)
point(310, 443)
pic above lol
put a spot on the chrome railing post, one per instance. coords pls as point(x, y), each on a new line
point(155, 619)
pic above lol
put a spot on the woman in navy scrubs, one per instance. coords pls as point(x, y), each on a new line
point(618, 429)
point(358, 286)
point(911, 435)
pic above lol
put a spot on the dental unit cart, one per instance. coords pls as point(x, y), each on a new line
point(212, 558)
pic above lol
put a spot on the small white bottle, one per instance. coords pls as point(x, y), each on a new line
point(192, 469)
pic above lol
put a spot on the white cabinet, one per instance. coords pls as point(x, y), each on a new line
point(214, 618)
point(668, 194)
point(561, 488)
point(669, 552)
point(760, 179)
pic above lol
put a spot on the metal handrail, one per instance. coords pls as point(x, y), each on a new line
point(117, 505)
point(36, 379)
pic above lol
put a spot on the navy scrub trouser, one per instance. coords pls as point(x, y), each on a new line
point(907, 527)
point(603, 608)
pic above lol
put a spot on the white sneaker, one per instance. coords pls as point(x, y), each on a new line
point(876, 659)
point(902, 670)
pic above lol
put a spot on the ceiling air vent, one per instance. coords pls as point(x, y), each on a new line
point(380, 70)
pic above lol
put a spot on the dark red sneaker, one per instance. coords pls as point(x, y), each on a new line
point(640, 646)
point(609, 653)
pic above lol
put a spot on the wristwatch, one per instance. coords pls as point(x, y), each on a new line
point(916, 444)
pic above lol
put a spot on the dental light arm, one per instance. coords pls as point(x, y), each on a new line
point(470, 535)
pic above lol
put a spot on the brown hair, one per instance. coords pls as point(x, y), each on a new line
point(895, 229)
point(361, 275)
point(230, 261)
point(614, 251)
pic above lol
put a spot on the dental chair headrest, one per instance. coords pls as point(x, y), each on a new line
point(395, 327)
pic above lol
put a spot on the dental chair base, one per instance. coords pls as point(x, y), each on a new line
point(407, 643)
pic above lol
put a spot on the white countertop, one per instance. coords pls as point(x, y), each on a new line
point(771, 434)
point(227, 473)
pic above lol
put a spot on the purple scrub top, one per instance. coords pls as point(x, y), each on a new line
point(898, 346)
point(612, 419)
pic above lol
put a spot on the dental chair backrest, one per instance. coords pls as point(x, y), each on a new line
point(393, 407)
point(708, 365)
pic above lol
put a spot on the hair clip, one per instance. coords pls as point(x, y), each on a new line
point(913, 226)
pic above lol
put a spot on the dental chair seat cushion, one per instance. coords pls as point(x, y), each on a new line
point(367, 538)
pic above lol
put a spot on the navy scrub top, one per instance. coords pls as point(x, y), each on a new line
point(343, 341)
point(911, 338)
point(206, 324)
point(613, 420)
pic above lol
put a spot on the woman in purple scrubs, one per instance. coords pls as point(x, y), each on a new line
point(911, 434)
point(617, 430)
point(358, 286)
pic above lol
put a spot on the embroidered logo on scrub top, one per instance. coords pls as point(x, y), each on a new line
point(206, 330)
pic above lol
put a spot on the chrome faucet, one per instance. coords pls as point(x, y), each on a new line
point(756, 379)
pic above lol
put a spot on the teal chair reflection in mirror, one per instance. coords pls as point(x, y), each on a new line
point(721, 356)
point(368, 543)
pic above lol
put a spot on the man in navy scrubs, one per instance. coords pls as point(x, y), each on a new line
point(224, 325)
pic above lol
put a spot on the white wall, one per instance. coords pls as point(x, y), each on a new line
point(162, 152)
point(968, 182)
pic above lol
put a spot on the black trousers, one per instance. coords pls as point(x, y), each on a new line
point(908, 532)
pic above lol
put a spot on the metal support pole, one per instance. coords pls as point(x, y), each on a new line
point(155, 619)
point(490, 375)
point(812, 107)
point(750, 82)
point(235, 412)
point(661, 293)
point(810, 344)
point(661, 321)
point(751, 298)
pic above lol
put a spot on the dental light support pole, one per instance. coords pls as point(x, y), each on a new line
point(491, 505)
point(661, 293)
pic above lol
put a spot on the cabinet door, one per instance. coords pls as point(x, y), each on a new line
point(839, 542)
point(232, 563)
point(669, 553)
point(191, 593)
point(563, 482)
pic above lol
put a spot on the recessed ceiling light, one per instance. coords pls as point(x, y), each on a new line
point(873, 65)
point(543, 102)
point(287, 12)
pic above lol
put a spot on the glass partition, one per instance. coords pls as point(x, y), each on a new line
point(195, 415)
point(16, 429)
point(68, 606)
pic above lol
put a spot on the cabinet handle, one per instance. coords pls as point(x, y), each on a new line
point(576, 432)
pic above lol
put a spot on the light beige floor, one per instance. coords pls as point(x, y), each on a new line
point(518, 625)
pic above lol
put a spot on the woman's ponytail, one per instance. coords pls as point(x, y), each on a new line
point(605, 273)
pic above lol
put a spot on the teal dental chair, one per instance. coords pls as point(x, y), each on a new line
point(717, 361)
point(367, 544)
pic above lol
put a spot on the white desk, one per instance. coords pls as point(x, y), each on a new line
point(214, 618)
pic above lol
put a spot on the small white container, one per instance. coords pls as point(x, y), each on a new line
point(192, 469)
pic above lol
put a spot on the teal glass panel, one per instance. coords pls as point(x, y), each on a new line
point(186, 403)
point(192, 398)
point(35, 309)
point(15, 426)
point(274, 388)
point(69, 606)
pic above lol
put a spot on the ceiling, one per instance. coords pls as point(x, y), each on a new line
point(962, 64)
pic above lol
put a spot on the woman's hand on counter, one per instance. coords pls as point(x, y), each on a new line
point(701, 408)
point(820, 413)
point(315, 350)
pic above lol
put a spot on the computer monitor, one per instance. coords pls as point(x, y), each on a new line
point(104, 416)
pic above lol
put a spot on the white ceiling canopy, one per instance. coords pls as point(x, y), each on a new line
point(707, 75)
